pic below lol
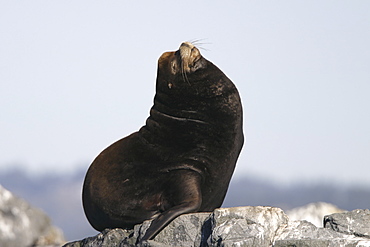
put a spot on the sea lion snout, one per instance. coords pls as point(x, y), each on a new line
point(189, 55)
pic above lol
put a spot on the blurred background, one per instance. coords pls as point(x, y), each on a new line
point(75, 76)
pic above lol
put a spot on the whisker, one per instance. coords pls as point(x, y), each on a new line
point(198, 43)
point(202, 48)
point(184, 76)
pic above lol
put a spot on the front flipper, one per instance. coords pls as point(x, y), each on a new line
point(183, 193)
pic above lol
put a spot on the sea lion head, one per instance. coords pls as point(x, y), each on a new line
point(186, 73)
point(185, 60)
point(177, 67)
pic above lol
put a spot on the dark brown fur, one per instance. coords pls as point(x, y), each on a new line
point(181, 161)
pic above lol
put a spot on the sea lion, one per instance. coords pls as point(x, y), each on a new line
point(181, 161)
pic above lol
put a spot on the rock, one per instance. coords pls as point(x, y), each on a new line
point(184, 231)
point(304, 233)
point(356, 222)
point(229, 227)
point(224, 227)
point(112, 237)
point(313, 212)
point(22, 225)
point(245, 226)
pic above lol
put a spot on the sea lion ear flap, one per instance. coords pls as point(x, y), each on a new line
point(174, 66)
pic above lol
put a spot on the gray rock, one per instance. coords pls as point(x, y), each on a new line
point(22, 225)
point(112, 237)
point(304, 233)
point(313, 212)
point(356, 222)
point(184, 231)
point(245, 226)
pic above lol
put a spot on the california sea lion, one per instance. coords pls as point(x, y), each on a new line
point(181, 161)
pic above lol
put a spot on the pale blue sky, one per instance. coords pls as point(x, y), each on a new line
point(76, 76)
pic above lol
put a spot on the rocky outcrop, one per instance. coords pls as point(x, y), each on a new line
point(22, 225)
point(244, 226)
